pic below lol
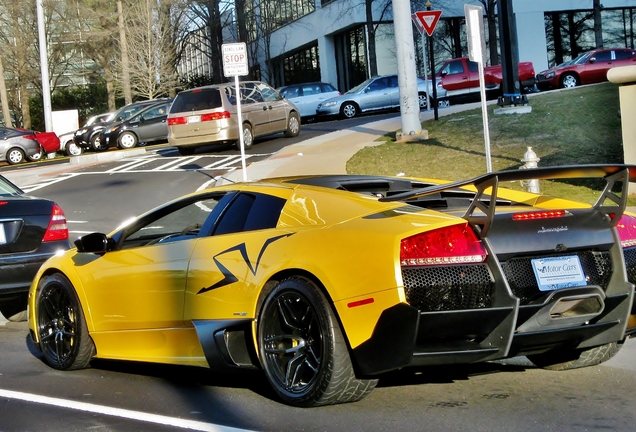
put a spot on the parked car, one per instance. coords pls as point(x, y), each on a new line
point(90, 137)
point(18, 145)
point(379, 93)
point(589, 67)
point(49, 144)
point(67, 141)
point(31, 231)
point(208, 115)
point(327, 282)
point(147, 126)
point(307, 96)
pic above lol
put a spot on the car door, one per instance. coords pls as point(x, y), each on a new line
point(152, 125)
point(277, 107)
point(455, 78)
point(254, 109)
point(225, 273)
point(378, 94)
point(596, 67)
point(140, 286)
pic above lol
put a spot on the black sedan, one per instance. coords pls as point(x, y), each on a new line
point(147, 126)
point(31, 231)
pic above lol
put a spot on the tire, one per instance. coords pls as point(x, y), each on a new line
point(422, 100)
point(293, 125)
point(72, 149)
point(96, 143)
point(302, 350)
point(64, 339)
point(37, 157)
point(248, 138)
point(186, 151)
point(560, 360)
point(127, 140)
point(15, 155)
point(349, 110)
point(569, 80)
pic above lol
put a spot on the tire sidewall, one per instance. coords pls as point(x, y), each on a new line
point(131, 137)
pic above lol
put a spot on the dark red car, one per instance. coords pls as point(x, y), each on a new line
point(589, 67)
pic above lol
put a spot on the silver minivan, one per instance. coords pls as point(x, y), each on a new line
point(208, 115)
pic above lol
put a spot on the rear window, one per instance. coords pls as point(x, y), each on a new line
point(196, 100)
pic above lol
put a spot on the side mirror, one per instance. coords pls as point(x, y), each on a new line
point(593, 60)
point(444, 73)
point(93, 243)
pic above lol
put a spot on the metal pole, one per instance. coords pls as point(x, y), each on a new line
point(428, 96)
point(432, 58)
point(44, 69)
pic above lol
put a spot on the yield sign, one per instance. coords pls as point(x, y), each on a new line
point(426, 20)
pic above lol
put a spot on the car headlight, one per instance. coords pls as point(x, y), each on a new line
point(549, 75)
point(81, 131)
point(329, 104)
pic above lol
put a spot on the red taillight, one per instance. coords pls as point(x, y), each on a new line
point(57, 229)
point(32, 137)
point(454, 244)
point(627, 230)
point(3, 202)
point(548, 214)
point(177, 121)
point(215, 116)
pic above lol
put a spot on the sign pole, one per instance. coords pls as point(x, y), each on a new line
point(235, 65)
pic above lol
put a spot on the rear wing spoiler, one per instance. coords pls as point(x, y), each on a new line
point(613, 174)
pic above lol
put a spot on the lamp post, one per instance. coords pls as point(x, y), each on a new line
point(432, 58)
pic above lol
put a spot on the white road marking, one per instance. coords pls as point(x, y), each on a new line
point(118, 412)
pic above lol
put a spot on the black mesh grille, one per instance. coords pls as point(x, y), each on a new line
point(448, 287)
point(597, 267)
point(630, 263)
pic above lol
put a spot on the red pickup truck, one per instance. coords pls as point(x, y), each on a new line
point(459, 77)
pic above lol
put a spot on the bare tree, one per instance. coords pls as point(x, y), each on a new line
point(123, 47)
point(150, 49)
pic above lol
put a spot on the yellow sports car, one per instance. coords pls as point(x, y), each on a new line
point(326, 282)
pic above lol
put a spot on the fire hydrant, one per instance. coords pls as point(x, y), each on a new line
point(530, 160)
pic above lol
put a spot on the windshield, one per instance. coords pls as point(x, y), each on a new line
point(359, 87)
point(581, 58)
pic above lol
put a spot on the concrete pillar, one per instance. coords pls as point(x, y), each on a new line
point(625, 77)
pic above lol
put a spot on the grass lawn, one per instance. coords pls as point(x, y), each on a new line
point(574, 126)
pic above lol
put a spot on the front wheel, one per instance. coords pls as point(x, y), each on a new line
point(349, 110)
point(64, 339)
point(127, 140)
point(569, 81)
point(293, 125)
point(302, 350)
point(560, 360)
point(96, 143)
point(15, 156)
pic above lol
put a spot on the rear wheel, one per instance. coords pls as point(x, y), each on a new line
point(72, 149)
point(293, 125)
point(422, 100)
point(127, 140)
point(560, 360)
point(302, 349)
point(64, 339)
point(569, 80)
point(349, 110)
point(248, 138)
point(36, 157)
point(15, 156)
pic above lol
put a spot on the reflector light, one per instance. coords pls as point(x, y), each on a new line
point(456, 244)
point(57, 229)
point(215, 116)
point(177, 121)
point(549, 214)
point(360, 302)
point(626, 227)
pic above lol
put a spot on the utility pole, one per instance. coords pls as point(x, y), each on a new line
point(407, 76)
point(509, 56)
point(44, 70)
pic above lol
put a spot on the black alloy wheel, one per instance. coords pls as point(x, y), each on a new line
point(64, 339)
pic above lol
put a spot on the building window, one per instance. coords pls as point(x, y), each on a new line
point(297, 67)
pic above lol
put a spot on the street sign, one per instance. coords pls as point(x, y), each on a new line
point(426, 20)
point(235, 59)
point(475, 33)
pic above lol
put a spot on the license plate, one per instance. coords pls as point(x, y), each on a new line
point(3, 236)
point(555, 273)
point(194, 119)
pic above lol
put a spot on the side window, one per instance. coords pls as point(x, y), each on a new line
point(393, 81)
point(624, 54)
point(250, 212)
point(603, 56)
point(155, 112)
point(379, 84)
point(455, 67)
point(268, 93)
point(180, 221)
point(250, 94)
point(473, 66)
